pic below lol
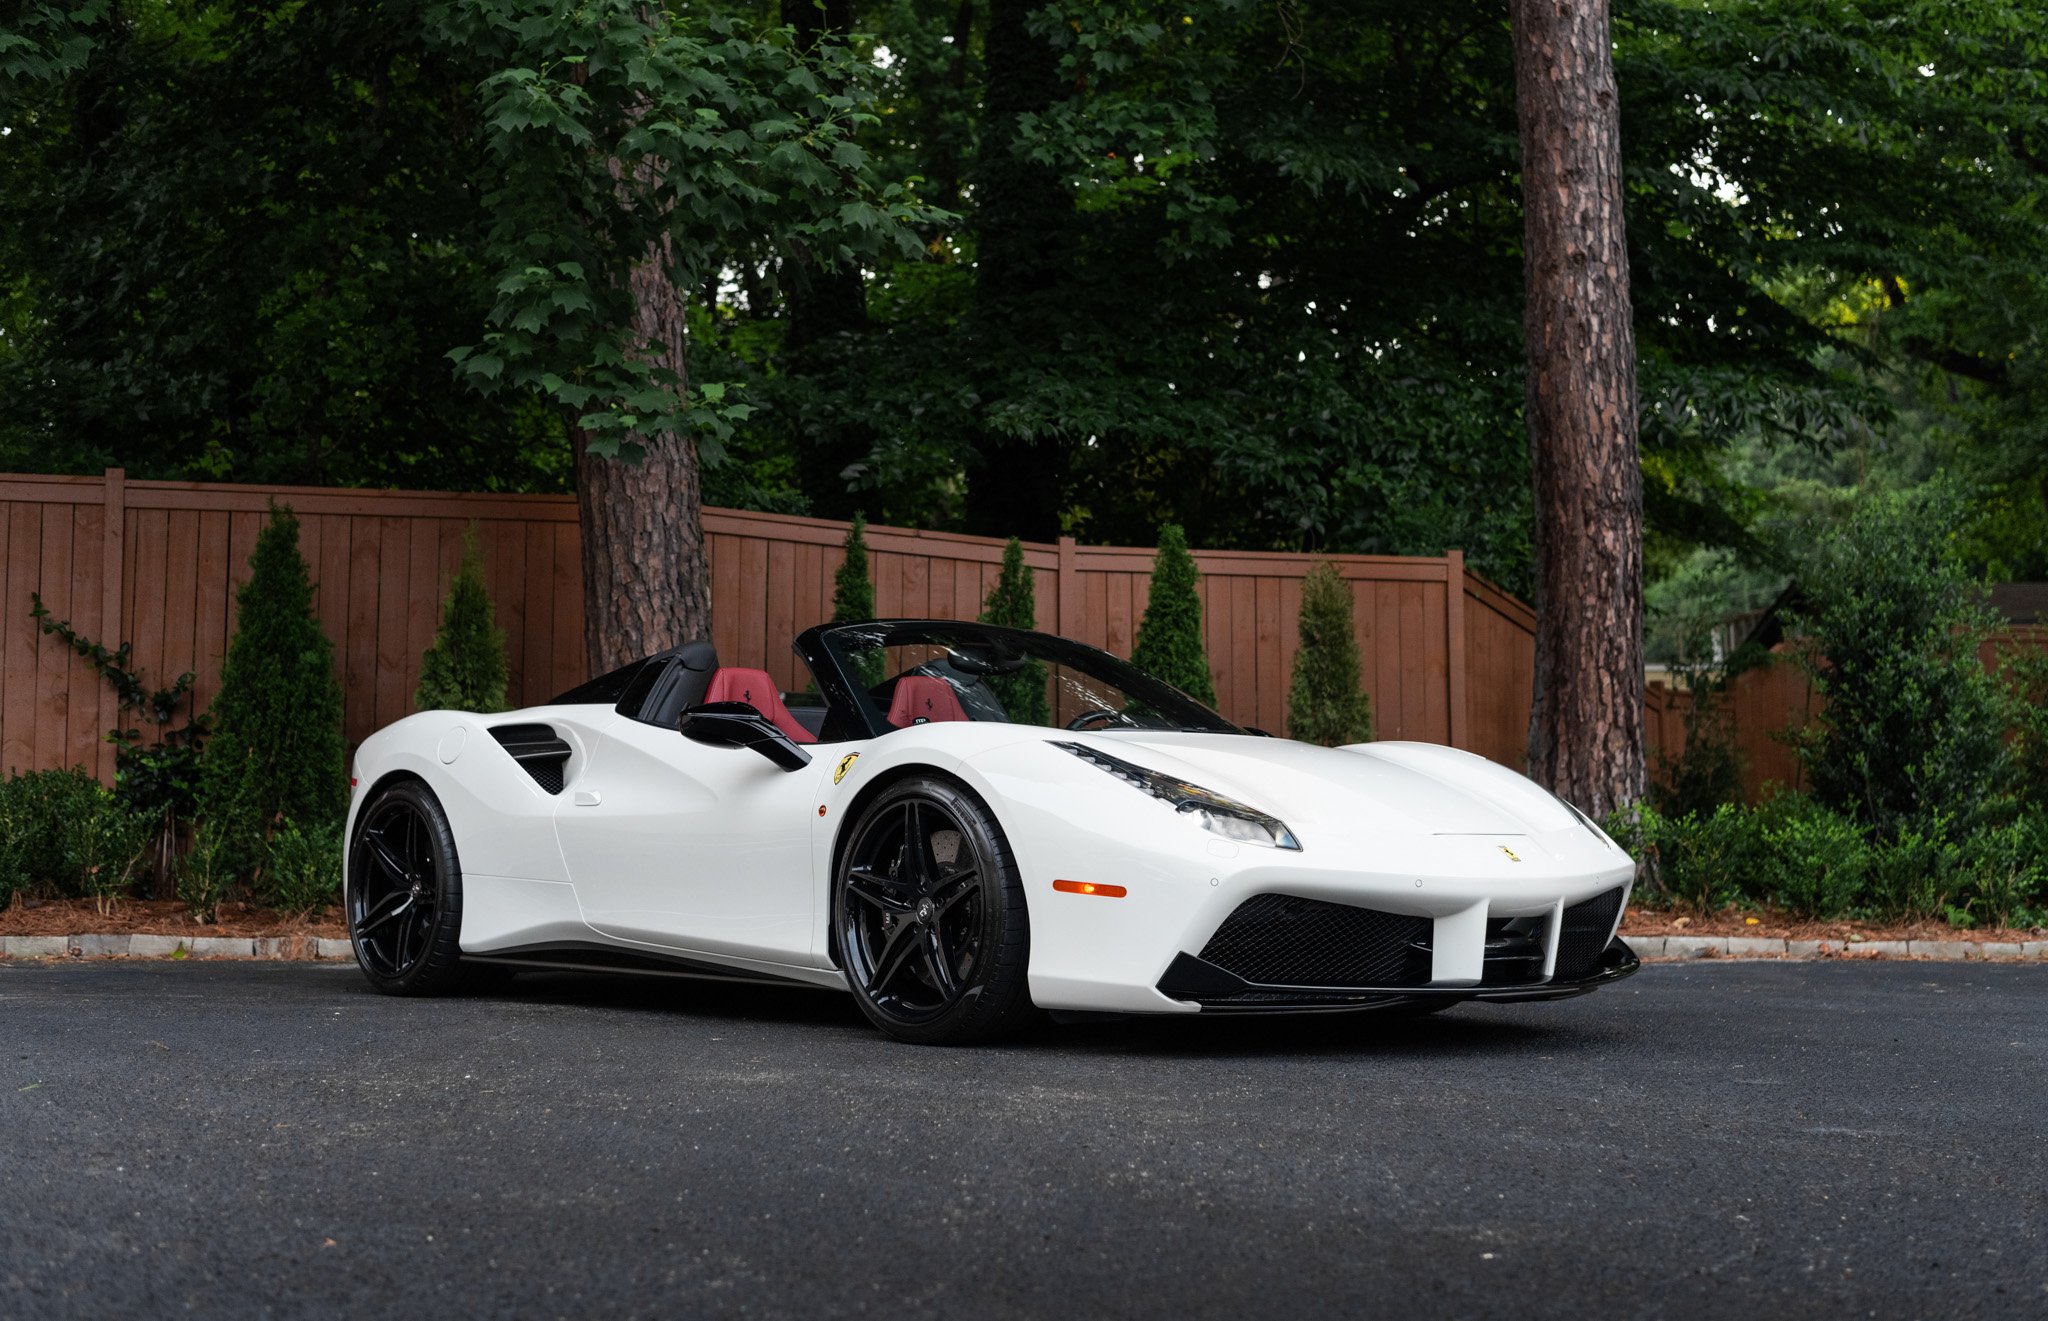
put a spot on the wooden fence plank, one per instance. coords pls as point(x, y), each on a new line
point(84, 725)
point(53, 659)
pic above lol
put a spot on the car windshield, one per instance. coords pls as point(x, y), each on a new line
point(914, 673)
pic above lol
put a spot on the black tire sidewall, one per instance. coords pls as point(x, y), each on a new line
point(439, 970)
point(998, 998)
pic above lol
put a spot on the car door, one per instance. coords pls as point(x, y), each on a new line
point(693, 848)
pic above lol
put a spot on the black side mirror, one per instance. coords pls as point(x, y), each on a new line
point(738, 725)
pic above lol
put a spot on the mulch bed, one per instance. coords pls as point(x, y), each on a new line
point(159, 917)
point(1738, 922)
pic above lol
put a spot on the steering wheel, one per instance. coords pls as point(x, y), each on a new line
point(1100, 717)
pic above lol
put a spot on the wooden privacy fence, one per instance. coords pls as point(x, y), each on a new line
point(1446, 656)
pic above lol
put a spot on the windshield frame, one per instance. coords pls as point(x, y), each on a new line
point(851, 713)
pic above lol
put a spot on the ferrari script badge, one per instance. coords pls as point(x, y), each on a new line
point(845, 765)
point(1512, 855)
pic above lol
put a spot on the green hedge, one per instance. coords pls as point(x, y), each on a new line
point(1806, 859)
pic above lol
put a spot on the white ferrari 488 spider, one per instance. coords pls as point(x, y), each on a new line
point(961, 824)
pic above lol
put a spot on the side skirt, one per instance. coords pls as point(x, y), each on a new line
point(578, 956)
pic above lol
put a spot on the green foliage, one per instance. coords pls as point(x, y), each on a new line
point(159, 778)
point(853, 598)
point(2024, 671)
point(465, 669)
point(37, 812)
point(1912, 726)
point(206, 874)
point(1325, 704)
point(1698, 861)
point(276, 754)
point(105, 842)
point(1013, 603)
point(303, 873)
point(1169, 644)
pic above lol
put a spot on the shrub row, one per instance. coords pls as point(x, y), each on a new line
point(1811, 861)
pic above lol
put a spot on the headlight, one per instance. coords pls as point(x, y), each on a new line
point(1217, 815)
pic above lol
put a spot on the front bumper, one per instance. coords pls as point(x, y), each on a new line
point(1193, 980)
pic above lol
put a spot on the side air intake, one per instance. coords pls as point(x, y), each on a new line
point(538, 750)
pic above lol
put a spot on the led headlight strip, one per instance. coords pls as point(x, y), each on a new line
point(1217, 815)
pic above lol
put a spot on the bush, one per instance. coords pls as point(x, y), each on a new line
point(205, 875)
point(276, 753)
point(1812, 862)
point(1913, 873)
point(465, 669)
point(2004, 876)
point(38, 836)
point(1169, 645)
point(304, 870)
point(1013, 603)
point(2024, 671)
point(1325, 703)
point(1700, 861)
point(105, 842)
point(1912, 725)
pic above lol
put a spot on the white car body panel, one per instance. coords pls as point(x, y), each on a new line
point(660, 844)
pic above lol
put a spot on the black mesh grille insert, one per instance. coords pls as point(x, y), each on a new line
point(537, 749)
point(1584, 934)
point(1281, 940)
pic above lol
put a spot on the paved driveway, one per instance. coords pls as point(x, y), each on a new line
point(1743, 1139)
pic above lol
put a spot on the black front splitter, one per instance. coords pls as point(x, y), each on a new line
point(1219, 991)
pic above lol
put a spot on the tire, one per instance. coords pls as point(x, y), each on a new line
point(936, 952)
point(404, 896)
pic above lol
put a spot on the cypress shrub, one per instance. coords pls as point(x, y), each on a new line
point(1170, 635)
point(853, 598)
point(276, 754)
point(1013, 603)
point(465, 669)
point(1325, 703)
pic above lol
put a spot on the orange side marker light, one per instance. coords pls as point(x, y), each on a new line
point(1090, 887)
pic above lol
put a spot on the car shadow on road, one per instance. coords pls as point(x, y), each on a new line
point(1468, 1029)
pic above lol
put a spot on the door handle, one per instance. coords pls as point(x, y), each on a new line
point(588, 798)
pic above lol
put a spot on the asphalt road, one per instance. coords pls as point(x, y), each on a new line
point(1760, 1139)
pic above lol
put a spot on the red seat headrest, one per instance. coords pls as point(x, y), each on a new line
point(920, 697)
point(756, 689)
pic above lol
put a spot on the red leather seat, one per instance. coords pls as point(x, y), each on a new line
point(920, 697)
point(757, 690)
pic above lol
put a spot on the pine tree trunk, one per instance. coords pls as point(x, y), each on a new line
point(1586, 727)
point(646, 583)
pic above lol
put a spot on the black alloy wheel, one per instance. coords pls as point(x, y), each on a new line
point(930, 919)
point(404, 899)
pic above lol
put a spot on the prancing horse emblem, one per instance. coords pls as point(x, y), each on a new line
point(845, 765)
point(1512, 855)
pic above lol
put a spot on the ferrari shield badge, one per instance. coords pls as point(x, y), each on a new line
point(845, 765)
point(1512, 855)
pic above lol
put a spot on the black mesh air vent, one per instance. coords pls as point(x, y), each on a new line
point(1584, 934)
point(538, 750)
point(1281, 940)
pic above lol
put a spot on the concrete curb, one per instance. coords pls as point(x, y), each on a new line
point(1767, 947)
point(94, 946)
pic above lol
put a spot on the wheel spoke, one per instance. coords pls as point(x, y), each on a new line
point(876, 890)
point(380, 849)
point(895, 954)
point(937, 963)
point(952, 890)
point(918, 865)
point(398, 905)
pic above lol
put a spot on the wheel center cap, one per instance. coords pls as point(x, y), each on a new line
point(924, 910)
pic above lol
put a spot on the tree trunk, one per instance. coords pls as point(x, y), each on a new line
point(1586, 727)
point(646, 585)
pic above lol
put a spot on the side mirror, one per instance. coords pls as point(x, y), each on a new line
point(738, 725)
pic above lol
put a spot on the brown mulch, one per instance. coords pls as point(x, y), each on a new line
point(159, 917)
point(1737, 922)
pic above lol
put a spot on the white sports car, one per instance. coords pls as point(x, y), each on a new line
point(959, 824)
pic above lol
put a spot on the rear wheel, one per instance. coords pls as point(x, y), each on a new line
point(404, 899)
point(930, 918)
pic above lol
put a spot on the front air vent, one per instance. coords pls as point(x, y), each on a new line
point(1584, 933)
point(1282, 940)
point(538, 750)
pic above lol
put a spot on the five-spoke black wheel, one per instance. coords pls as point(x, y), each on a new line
point(404, 898)
point(930, 917)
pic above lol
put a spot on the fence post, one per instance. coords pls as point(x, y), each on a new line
point(1070, 591)
point(1454, 624)
point(113, 630)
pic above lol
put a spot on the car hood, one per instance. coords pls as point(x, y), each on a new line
point(1380, 788)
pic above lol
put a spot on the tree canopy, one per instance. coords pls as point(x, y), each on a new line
point(1251, 268)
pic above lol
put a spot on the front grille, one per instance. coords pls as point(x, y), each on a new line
point(1281, 940)
point(1584, 934)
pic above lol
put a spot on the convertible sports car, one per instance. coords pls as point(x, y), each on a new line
point(959, 824)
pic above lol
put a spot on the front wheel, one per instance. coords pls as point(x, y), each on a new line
point(930, 919)
point(404, 900)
